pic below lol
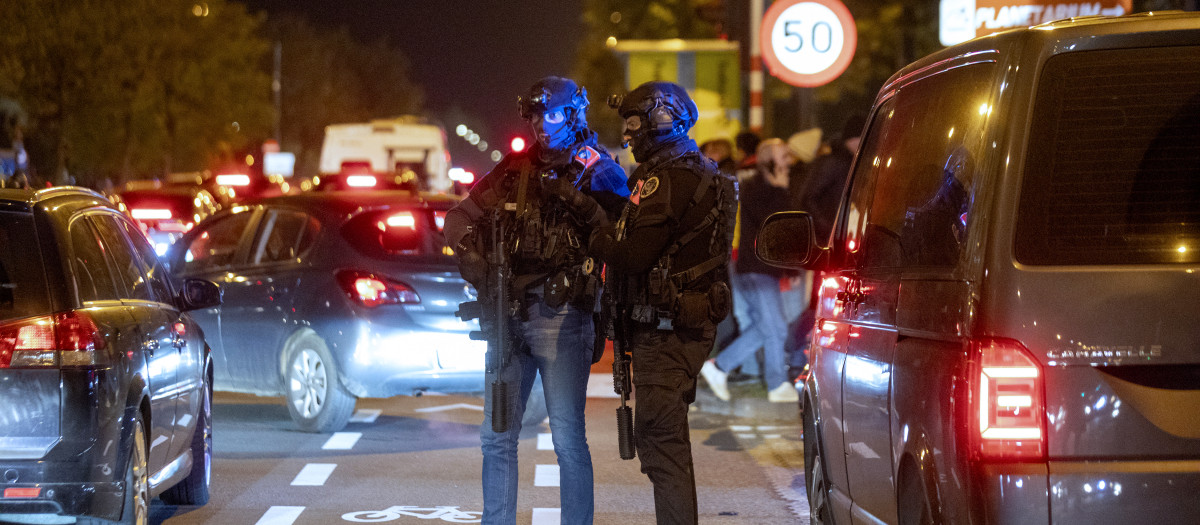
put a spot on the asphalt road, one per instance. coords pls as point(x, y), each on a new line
point(416, 459)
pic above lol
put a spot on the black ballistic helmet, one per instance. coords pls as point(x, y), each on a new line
point(665, 106)
point(553, 92)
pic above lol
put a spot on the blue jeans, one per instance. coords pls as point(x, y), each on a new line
point(767, 329)
point(557, 343)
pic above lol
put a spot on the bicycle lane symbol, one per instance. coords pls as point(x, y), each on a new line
point(443, 512)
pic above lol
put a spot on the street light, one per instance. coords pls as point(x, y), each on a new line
point(518, 144)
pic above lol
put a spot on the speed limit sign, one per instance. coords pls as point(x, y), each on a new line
point(807, 43)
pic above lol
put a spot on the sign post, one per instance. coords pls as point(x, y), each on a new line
point(808, 43)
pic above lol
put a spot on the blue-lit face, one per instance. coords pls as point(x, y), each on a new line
point(552, 128)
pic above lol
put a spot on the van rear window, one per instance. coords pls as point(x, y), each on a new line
point(22, 277)
point(399, 233)
point(1113, 175)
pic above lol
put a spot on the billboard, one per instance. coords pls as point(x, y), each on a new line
point(962, 20)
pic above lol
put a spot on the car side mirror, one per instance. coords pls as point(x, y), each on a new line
point(198, 294)
point(787, 240)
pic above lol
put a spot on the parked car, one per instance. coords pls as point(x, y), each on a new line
point(330, 296)
point(1008, 319)
point(165, 212)
point(105, 380)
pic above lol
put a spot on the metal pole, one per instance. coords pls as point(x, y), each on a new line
point(756, 67)
point(277, 89)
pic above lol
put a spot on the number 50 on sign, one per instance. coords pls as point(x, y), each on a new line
point(807, 43)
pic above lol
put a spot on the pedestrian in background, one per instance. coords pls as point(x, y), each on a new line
point(720, 151)
point(764, 193)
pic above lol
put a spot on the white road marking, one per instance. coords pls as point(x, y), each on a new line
point(280, 516)
point(341, 441)
point(443, 408)
point(741, 428)
point(545, 441)
point(365, 415)
point(542, 516)
point(601, 385)
point(546, 476)
point(314, 474)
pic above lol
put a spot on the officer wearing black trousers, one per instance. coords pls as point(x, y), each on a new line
point(667, 261)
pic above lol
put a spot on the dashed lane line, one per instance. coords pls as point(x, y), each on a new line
point(543, 516)
point(545, 441)
point(280, 516)
point(546, 476)
point(342, 441)
point(365, 415)
point(314, 474)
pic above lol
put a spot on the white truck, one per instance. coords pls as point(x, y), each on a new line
point(389, 146)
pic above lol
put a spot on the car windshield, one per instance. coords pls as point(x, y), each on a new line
point(1113, 175)
point(399, 233)
point(22, 277)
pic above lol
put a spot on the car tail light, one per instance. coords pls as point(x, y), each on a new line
point(233, 179)
point(361, 181)
point(439, 219)
point(145, 214)
point(372, 290)
point(404, 219)
point(1008, 401)
point(64, 339)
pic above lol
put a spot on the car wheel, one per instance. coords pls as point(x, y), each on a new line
point(316, 398)
point(137, 479)
point(819, 510)
point(193, 490)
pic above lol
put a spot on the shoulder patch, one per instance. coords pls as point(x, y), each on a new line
point(586, 156)
point(649, 187)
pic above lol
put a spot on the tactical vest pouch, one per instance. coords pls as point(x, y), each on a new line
point(692, 310)
point(557, 289)
point(720, 301)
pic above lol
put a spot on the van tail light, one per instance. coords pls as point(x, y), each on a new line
point(233, 179)
point(65, 339)
point(361, 181)
point(1008, 401)
point(371, 290)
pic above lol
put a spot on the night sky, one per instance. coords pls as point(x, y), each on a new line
point(477, 55)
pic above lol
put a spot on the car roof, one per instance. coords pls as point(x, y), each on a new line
point(345, 202)
point(31, 197)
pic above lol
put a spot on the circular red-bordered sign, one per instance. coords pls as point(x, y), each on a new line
point(807, 43)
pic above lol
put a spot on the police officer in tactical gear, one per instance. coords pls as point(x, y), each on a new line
point(667, 266)
point(539, 197)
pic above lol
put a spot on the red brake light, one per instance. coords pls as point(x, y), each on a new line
point(371, 290)
point(233, 179)
point(150, 213)
point(64, 339)
point(22, 492)
point(402, 219)
point(1008, 404)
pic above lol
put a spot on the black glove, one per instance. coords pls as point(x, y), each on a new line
point(471, 264)
point(584, 207)
point(601, 241)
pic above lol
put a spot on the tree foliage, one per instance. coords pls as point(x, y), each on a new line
point(133, 88)
point(329, 78)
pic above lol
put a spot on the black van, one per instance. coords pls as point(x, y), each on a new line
point(1008, 328)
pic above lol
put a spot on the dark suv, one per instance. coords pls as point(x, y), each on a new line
point(1008, 326)
point(105, 382)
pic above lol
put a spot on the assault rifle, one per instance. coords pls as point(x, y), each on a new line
point(494, 314)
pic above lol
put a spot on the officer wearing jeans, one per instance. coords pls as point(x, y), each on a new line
point(554, 280)
point(667, 260)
